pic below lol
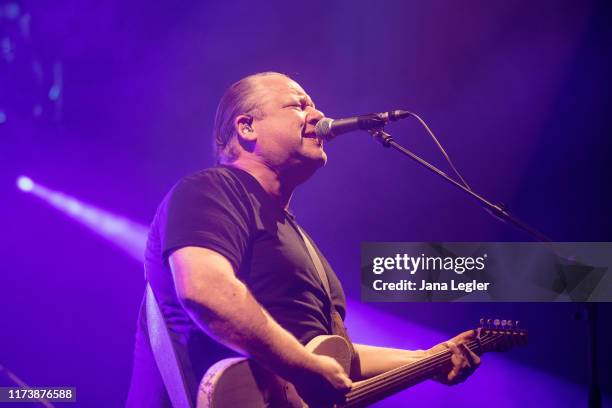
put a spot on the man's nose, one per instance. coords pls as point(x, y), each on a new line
point(314, 116)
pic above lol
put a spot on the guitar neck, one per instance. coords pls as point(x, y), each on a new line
point(487, 339)
point(381, 386)
point(497, 338)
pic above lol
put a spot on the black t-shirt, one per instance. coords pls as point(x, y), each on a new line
point(226, 210)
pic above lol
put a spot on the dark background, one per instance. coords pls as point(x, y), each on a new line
point(112, 102)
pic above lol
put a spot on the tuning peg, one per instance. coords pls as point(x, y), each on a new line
point(489, 322)
point(482, 322)
point(516, 323)
point(496, 323)
point(503, 324)
point(509, 324)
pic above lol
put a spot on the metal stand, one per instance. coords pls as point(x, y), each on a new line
point(590, 316)
point(497, 210)
point(588, 310)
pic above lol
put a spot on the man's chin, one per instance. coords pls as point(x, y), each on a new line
point(319, 160)
point(311, 161)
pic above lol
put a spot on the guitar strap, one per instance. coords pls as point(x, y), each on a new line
point(165, 355)
point(337, 323)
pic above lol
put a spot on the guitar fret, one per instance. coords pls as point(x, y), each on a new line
point(372, 388)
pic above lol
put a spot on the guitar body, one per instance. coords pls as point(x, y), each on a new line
point(240, 382)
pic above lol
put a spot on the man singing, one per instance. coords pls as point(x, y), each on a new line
point(228, 261)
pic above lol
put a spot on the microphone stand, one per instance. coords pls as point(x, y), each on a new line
point(501, 212)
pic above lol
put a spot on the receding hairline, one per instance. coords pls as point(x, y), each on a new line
point(255, 83)
point(246, 97)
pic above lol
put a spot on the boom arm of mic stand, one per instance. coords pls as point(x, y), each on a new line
point(494, 209)
point(589, 309)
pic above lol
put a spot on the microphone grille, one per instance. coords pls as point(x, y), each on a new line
point(323, 129)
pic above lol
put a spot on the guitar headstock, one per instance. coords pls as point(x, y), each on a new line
point(500, 335)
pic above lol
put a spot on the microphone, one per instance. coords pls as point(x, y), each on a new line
point(328, 129)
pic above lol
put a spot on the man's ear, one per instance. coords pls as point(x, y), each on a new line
point(243, 125)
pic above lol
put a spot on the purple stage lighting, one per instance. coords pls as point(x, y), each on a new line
point(127, 235)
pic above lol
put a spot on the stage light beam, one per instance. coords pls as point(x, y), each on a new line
point(25, 184)
point(126, 234)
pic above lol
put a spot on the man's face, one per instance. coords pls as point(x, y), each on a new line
point(286, 133)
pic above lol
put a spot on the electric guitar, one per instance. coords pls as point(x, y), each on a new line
point(241, 382)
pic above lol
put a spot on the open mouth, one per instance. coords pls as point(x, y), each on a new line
point(314, 137)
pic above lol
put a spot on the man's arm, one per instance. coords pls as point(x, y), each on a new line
point(224, 307)
point(373, 360)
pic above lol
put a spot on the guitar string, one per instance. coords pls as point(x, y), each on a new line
point(391, 378)
point(473, 344)
point(422, 366)
point(390, 381)
point(385, 378)
point(413, 365)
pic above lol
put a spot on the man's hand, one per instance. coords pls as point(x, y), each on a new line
point(465, 361)
point(323, 383)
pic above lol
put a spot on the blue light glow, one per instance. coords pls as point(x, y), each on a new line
point(54, 92)
point(11, 10)
point(25, 184)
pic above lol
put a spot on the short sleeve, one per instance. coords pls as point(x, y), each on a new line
point(207, 209)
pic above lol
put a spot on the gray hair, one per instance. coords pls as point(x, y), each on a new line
point(237, 100)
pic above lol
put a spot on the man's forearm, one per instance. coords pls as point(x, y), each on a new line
point(377, 360)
